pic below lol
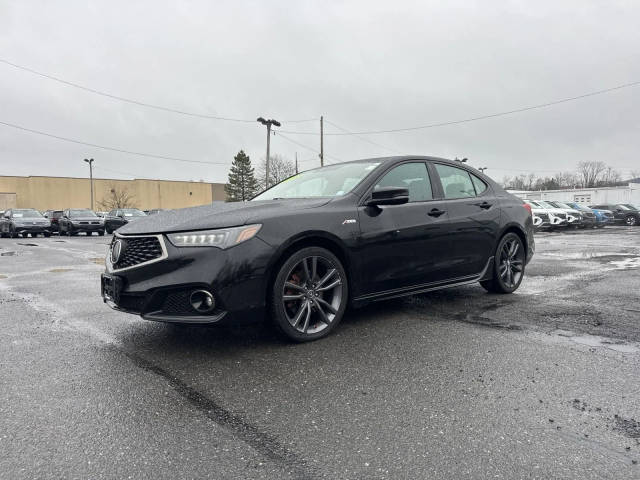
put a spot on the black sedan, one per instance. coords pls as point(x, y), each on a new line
point(350, 233)
point(24, 221)
point(80, 220)
point(621, 213)
point(121, 216)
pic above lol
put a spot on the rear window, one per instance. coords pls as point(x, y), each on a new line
point(456, 182)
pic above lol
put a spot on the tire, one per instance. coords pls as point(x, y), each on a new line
point(508, 265)
point(47, 234)
point(13, 234)
point(108, 230)
point(101, 233)
point(316, 283)
point(631, 221)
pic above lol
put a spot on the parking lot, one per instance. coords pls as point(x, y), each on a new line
point(453, 384)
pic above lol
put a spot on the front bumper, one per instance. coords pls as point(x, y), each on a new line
point(87, 227)
point(237, 278)
point(32, 229)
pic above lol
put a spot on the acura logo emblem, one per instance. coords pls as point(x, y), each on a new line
point(116, 250)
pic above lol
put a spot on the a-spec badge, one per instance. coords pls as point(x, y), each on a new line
point(348, 221)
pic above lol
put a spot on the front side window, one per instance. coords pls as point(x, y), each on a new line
point(413, 176)
point(456, 182)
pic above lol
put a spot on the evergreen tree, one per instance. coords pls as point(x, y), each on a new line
point(242, 184)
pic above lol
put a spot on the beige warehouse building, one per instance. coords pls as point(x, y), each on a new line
point(45, 193)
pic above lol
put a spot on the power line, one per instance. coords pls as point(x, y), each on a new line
point(303, 145)
point(138, 102)
point(113, 149)
point(481, 117)
point(363, 138)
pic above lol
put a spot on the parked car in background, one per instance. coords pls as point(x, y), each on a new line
point(54, 217)
point(621, 213)
point(603, 217)
point(79, 220)
point(540, 216)
point(153, 211)
point(557, 217)
point(574, 217)
point(589, 219)
point(23, 222)
point(102, 214)
point(121, 216)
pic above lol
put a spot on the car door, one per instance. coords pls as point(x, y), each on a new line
point(474, 219)
point(401, 246)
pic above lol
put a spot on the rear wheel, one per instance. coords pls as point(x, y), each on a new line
point(508, 266)
point(631, 220)
point(101, 233)
point(309, 295)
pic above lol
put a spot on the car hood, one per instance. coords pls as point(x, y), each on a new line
point(217, 215)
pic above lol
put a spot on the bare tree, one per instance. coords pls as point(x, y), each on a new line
point(279, 169)
point(590, 172)
point(117, 198)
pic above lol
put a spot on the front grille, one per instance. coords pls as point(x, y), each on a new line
point(543, 216)
point(561, 215)
point(137, 250)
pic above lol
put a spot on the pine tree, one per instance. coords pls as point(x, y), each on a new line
point(242, 184)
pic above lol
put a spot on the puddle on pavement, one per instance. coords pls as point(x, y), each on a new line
point(28, 244)
point(600, 342)
point(7, 254)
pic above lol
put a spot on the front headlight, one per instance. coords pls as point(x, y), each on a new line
point(220, 238)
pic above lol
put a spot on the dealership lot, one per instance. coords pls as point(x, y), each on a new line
point(458, 383)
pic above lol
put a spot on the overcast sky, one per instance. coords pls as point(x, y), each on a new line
point(365, 65)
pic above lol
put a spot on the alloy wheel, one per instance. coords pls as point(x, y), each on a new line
point(631, 220)
point(511, 262)
point(312, 294)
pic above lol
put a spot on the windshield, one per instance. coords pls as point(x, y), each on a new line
point(332, 181)
point(622, 207)
point(133, 212)
point(562, 205)
point(81, 213)
point(26, 214)
point(545, 204)
point(629, 206)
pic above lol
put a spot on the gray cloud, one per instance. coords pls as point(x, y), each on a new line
point(364, 65)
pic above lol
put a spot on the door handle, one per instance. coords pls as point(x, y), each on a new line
point(434, 212)
point(484, 205)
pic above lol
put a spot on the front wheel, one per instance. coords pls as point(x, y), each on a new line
point(101, 233)
point(309, 295)
point(631, 220)
point(508, 266)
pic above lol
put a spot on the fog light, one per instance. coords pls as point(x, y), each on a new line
point(202, 301)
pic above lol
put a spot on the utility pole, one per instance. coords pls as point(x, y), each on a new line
point(268, 123)
point(90, 162)
point(296, 163)
point(321, 141)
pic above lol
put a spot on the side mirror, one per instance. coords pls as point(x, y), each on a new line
point(389, 196)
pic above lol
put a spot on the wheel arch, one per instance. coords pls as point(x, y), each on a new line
point(518, 230)
point(302, 240)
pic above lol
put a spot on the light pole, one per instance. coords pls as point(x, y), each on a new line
point(90, 162)
point(268, 123)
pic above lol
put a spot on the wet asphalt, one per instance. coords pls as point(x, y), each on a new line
point(543, 383)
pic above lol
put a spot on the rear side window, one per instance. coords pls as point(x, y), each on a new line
point(456, 182)
point(413, 176)
point(478, 184)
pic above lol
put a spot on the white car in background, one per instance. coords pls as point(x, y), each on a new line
point(574, 217)
point(540, 215)
point(557, 217)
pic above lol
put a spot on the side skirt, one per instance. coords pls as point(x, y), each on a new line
point(485, 274)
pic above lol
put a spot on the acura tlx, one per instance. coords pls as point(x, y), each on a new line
point(301, 251)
